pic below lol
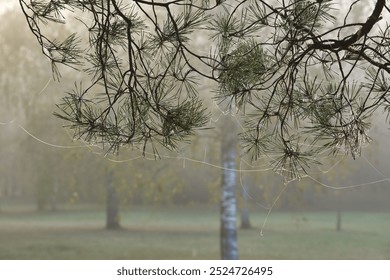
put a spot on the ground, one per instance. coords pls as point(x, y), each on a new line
point(188, 233)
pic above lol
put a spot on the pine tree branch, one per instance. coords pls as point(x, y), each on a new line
point(363, 31)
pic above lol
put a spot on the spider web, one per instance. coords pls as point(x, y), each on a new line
point(244, 167)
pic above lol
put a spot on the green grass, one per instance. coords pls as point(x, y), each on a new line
point(189, 233)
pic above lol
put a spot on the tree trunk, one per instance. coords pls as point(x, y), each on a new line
point(229, 248)
point(245, 222)
point(338, 226)
point(41, 204)
point(54, 197)
point(112, 204)
point(338, 221)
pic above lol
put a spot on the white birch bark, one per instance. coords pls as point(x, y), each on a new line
point(229, 248)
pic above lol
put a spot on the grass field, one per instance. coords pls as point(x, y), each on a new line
point(189, 233)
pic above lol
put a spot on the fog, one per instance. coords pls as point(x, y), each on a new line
point(44, 171)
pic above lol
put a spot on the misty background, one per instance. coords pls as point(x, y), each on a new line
point(45, 172)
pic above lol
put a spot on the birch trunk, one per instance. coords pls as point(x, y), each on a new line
point(229, 248)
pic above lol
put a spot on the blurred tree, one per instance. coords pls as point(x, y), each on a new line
point(228, 203)
point(345, 170)
point(144, 72)
point(112, 203)
point(19, 103)
point(244, 213)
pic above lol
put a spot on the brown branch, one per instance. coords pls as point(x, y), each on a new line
point(363, 31)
